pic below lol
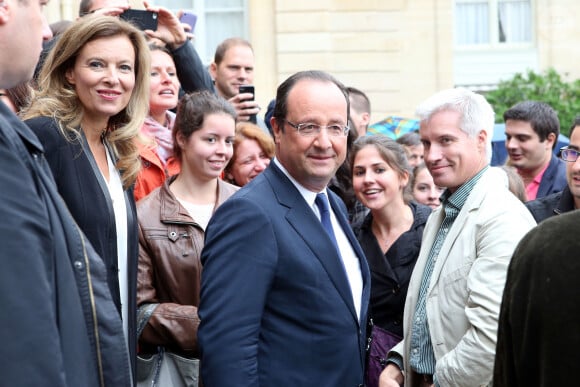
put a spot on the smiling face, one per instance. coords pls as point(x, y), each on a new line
point(376, 184)
point(250, 160)
point(424, 189)
point(526, 152)
point(208, 150)
point(164, 87)
point(104, 77)
point(450, 154)
point(312, 161)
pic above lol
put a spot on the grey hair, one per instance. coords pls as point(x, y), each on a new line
point(476, 113)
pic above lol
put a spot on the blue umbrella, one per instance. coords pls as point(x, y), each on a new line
point(394, 126)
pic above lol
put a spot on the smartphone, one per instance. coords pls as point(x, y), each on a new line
point(189, 18)
point(142, 19)
point(248, 89)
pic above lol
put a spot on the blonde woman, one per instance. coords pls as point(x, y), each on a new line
point(91, 102)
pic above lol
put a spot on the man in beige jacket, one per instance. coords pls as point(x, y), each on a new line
point(453, 301)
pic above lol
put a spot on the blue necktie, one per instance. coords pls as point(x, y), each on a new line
point(322, 204)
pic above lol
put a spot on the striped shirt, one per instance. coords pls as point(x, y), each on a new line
point(422, 357)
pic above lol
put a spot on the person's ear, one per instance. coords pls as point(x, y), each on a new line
point(550, 139)
point(213, 70)
point(366, 118)
point(276, 129)
point(4, 12)
point(69, 76)
point(181, 141)
point(482, 140)
point(404, 179)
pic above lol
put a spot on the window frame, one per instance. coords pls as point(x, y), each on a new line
point(493, 30)
point(202, 8)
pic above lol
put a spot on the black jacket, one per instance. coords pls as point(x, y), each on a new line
point(84, 191)
point(554, 204)
point(391, 272)
point(191, 72)
point(59, 324)
point(538, 336)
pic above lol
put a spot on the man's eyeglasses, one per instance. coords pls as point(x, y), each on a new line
point(308, 129)
point(569, 154)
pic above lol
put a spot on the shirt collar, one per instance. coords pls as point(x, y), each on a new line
point(458, 198)
point(308, 195)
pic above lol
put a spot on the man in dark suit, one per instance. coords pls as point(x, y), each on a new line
point(285, 285)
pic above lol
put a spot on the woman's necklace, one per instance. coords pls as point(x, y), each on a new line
point(383, 240)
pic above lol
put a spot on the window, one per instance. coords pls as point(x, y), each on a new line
point(493, 22)
point(216, 20)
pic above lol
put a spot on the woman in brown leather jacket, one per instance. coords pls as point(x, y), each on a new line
point(172, 221)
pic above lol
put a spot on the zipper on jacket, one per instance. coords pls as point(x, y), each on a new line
point(94, 311)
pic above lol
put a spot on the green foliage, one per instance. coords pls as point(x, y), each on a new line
point(548, 87)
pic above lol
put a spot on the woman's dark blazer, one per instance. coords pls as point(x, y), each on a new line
point(85, 192)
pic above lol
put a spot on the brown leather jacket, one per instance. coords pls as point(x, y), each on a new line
point(170, 244)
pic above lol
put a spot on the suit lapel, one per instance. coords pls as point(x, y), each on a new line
point(472, 203)
point(305, 223)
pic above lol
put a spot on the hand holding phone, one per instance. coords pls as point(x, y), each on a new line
point(248, 89)
point(144, 20)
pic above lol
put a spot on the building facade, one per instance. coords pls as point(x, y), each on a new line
point(397, 51)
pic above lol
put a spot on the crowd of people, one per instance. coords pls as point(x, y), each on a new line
point(154, 233)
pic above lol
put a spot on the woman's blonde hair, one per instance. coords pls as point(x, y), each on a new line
point(56, 97)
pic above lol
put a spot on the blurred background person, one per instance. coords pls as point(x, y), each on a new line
point(423, 187)
point(532, 129)
point(413, 148)
point(156, 147)
point(569, 198)
point(360, 110)
point(515, 182)
point(17, 97)
point(253, 151)
point(390, 237)
point(172, 223)
point(92, 98)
